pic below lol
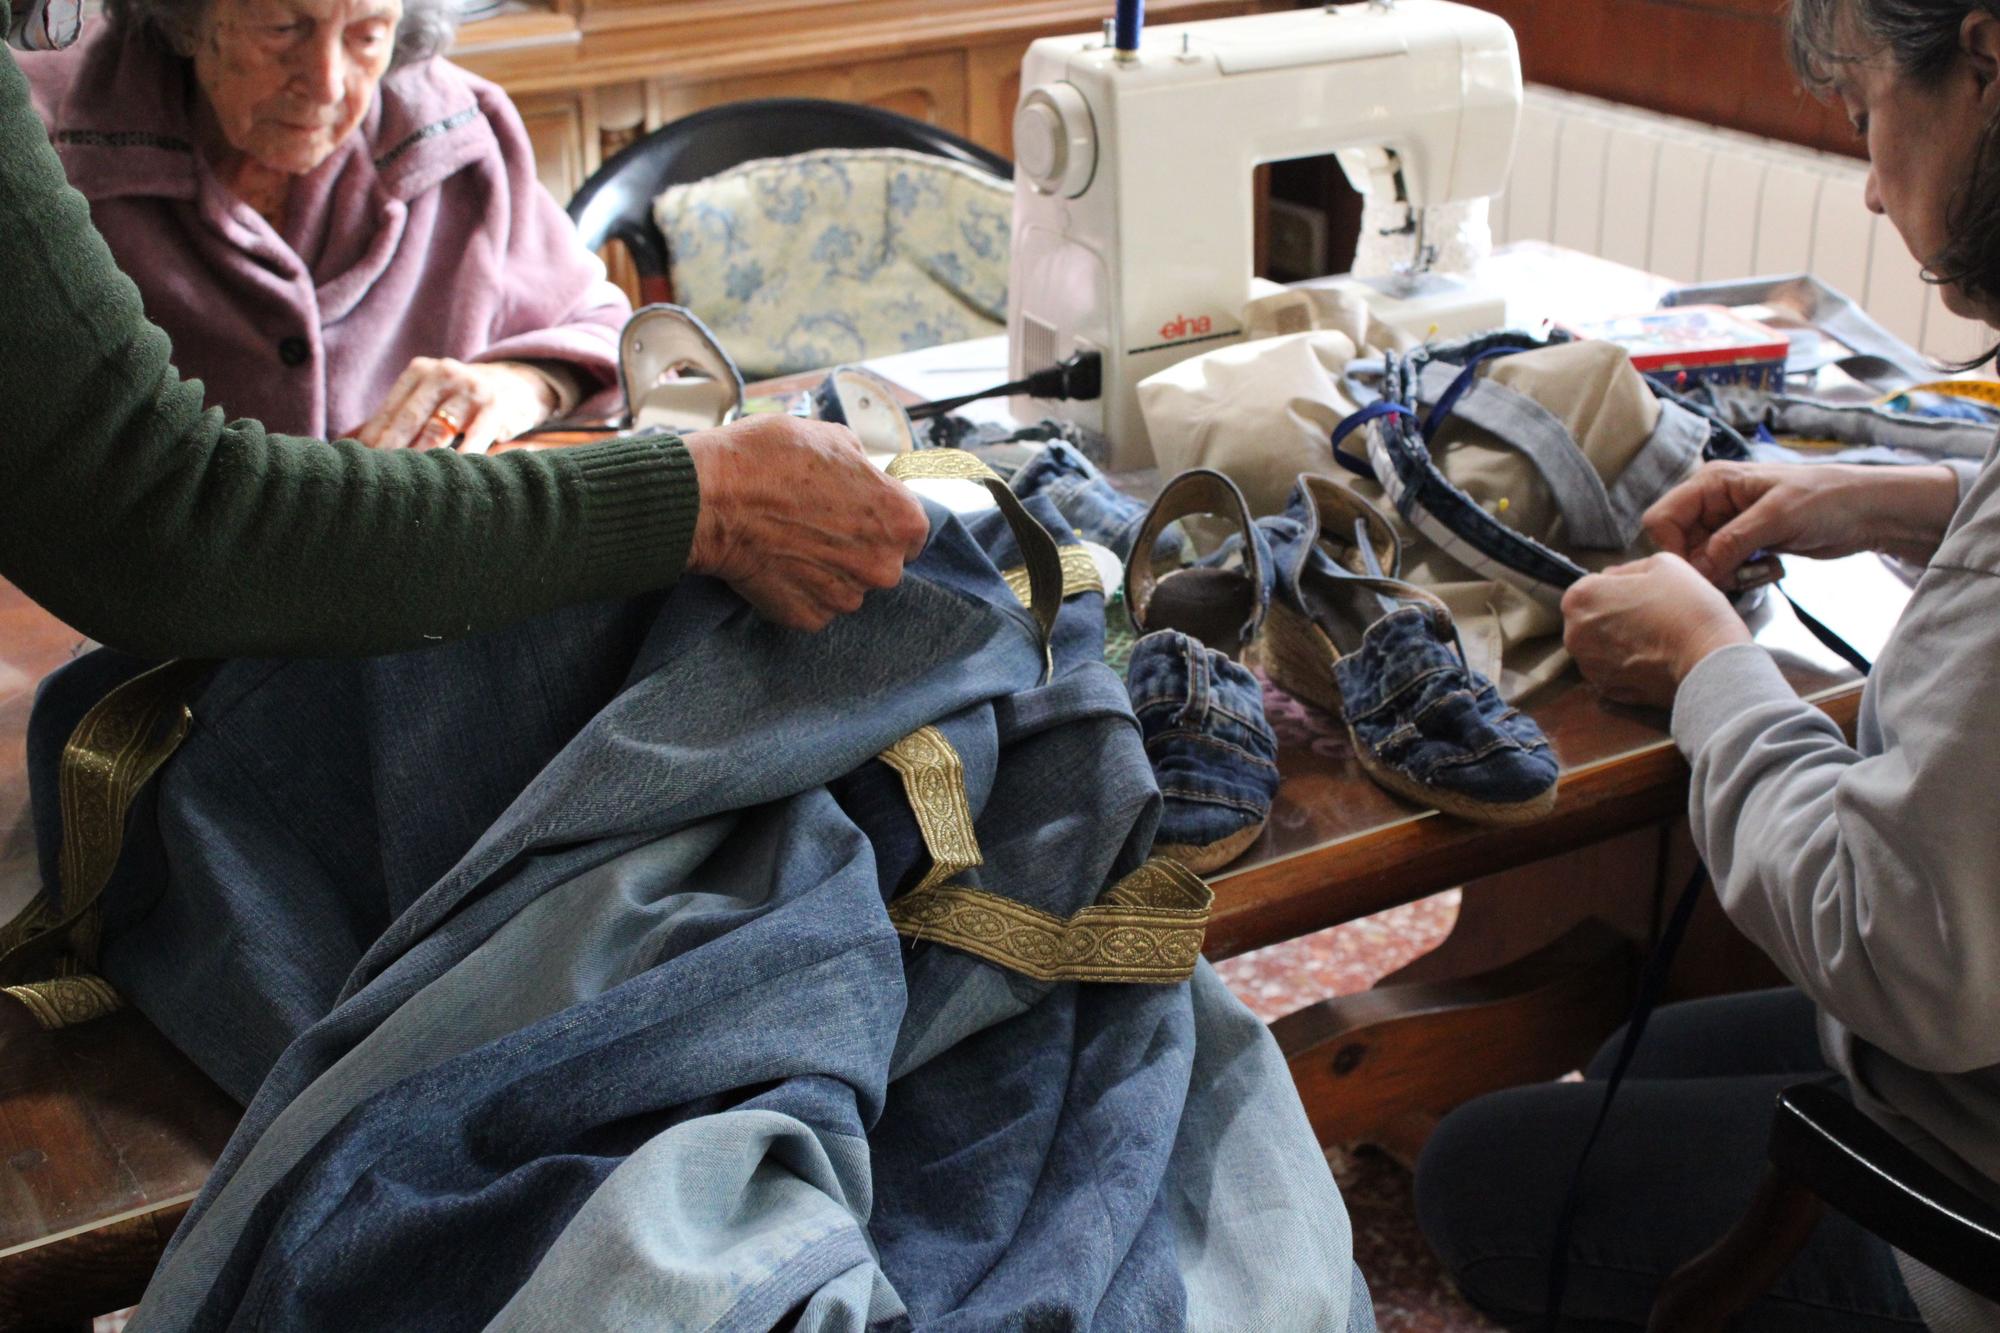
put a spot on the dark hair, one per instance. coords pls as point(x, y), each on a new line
point(1922, 38)
point(426, 27)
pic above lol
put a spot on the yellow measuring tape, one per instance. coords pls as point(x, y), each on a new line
point(1979, 391)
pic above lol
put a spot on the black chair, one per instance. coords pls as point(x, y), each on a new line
point(616, 203)
point(1825, 1152)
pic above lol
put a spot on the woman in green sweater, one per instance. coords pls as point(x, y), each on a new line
point(158, 528)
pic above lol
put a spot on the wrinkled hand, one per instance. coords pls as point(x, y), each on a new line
point(1726, 512)
point(489, 400)
point(1636, 630)
point(795, 518)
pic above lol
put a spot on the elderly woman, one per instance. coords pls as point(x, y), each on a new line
point(154, 526)
point(340, 232)
point(1867, 873)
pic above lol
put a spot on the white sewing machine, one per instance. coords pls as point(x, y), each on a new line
point(1132, 184)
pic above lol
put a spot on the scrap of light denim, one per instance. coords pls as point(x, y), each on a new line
point(1922, 436)
point(557, 968)
point(1085, 498)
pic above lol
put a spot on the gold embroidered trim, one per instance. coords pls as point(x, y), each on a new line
point(120, 743)
point(934, 780)
point(1147, 928)
point(67, 1001)
point(1038, 548)
point(1080, 574)
point(940, 465)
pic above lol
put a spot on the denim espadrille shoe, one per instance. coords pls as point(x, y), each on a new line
point(1346, 635)
point(1212, 750)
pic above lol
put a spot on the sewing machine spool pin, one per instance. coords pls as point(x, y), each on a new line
point(1129, 22)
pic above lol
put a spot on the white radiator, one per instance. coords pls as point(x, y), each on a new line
point(1697, 204)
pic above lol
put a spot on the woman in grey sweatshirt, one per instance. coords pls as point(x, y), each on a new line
point(1869, 873)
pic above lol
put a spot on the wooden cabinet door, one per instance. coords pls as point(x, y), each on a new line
point(993, 86)
point(924, 87)
point(563, 130)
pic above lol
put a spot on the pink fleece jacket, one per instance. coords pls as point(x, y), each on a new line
point(426, 233)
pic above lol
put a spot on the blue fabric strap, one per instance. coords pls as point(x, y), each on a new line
point(1353, 422)
point(1449, 398)
point(1652, 982)
point(1818, 628)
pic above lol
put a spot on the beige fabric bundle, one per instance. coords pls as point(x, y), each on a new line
point(1262, 412)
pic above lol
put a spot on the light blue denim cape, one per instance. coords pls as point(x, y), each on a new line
point(556, 969)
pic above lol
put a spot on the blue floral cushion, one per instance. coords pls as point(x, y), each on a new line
point(835, 256)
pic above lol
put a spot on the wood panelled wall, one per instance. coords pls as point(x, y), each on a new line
point(630, 66)
point(1721, 62)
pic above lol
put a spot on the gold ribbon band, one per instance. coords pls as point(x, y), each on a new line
point(1146, 928)
point(117, 747)
point(1079, 571)
point(67, 1001)
point(934, 780)
point(1038, 548)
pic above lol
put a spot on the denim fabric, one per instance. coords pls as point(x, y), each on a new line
point(1422, 720)
point(1401, 460)
point(1291, 540)
point(607, 1024)
point(1858, 425)
point(298, 774)
point(1087, 501)
point(1091, 507)
point(1212, 749)
point(1595, 516)
point(1416, 709)
point(1251, 1257)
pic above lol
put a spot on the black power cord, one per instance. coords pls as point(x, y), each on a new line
point(1078, 376)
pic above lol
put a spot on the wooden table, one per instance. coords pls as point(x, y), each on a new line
point(106, 1132)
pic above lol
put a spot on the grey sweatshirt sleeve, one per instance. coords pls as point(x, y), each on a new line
point(1967, 471)
point(1873, 881)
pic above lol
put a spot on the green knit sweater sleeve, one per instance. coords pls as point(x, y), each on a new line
point(159, 528)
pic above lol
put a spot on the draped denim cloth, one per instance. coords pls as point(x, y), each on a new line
point(557, 968)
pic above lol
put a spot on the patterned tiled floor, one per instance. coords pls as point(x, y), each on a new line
point(1340, 961)
point(1411, 1293)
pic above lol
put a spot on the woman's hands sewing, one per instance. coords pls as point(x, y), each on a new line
point(1727, 512)
point(795, 518)
point(1636, 630)
point(437, 399)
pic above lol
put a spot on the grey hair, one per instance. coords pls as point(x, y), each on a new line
point(1922, 38)
point(426, 28)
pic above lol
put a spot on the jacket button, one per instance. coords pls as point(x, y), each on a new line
point(294, 351)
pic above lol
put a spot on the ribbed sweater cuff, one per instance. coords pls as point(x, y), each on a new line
point(1722, 687)
point(640, 503)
